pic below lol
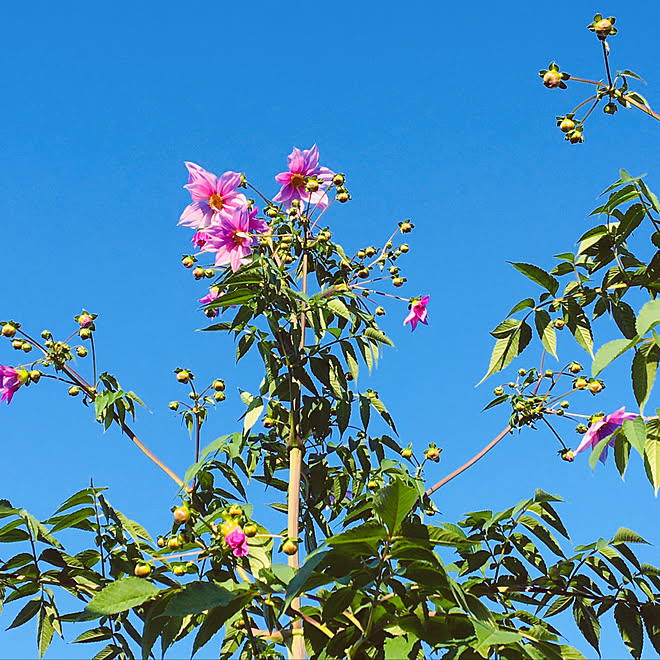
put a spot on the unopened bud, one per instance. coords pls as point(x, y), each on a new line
point(8, 330)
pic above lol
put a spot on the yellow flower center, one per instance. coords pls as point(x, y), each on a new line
point(240, 237)
point(297, 181)
point(215, 202)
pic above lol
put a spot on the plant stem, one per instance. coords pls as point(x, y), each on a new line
point(297, 648)
point(471, 462)
point(642, 107)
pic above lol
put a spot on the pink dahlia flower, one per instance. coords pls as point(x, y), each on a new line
point(232, 239)
point(302, 165)
point(418, 313)
point(10, 380)
point(237, 541)
point(213, 198)
point(602, 428)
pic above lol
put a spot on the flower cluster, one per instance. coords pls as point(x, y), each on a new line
point(226, 222)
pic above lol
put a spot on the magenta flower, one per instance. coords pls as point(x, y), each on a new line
point(213, 198)
point(418, 312)
point(213, 293)
point(232, 239)
point(602, 428)
point(10, 380)
point(302, 165)
point(237, 541)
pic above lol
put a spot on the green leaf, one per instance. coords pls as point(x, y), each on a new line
point(537, 275)
point(122, 595)
point(506, 348)
point(45, 630)
point(643, 370)
point(546, 331)
point(579, 325)
point(527, 303)
point(339, 308)
point(652, 462)
point(99, 634)
point(489, 635)
point(378, 336)
point(651, 616)
point(587, 622)
point(648, 317)
point(625, 535)
point(630, 627)
point(609, 352)
point(393, 503)
point(297, 585)
point(29, 610)
point(635, 432)
point(195, 597)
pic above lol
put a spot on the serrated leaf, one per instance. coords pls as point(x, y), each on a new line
point(643, 371)
point(609, 352)
point(625, 535)
point(630, 627)
point(635, 432)
point(546, 331)
point(506, 348)
point(652, 462)
point(538, 275)
point(122, 595)
point(377, 335)
point(195, 597)
point(527, 303)
point(648, 317)
point(338, 307)
point(393, 503)
point(579, 325)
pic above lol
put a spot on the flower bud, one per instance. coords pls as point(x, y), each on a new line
point(198, 273)
point(361, 254)
point(188, 262)
point(81, 351)
point(363, 273)
point(250, 530)
point(8, 330)
point(559, 324)
point(74, 390)
point(564, 404)
point(370, 251)
point(268, 422)
point(379, 311)
point(397, 281)
point(17, 344)
point(567, 125)
point(548, 373)
point(179, 569)
point(142, 570)
point(161, 542)
point(272, 212)
point(498, 391)
point(183, 376)
point(181, 515)
point(218, 385)
point(343, 197)
point(610, 108)
point(27, 346)
point(45, 334)
point(575, 137)
point(567, 455)
point(581, 428)
point(575, 367)
point(338, 179)
point(406, 453)
point(35, 375)
point(84, 333)
point(595, 387)
point(404, 248)
point(312, 185)
point(219, 396)
point(406, 227)
point(581, 384)
point(289, 547)
point(552, 79)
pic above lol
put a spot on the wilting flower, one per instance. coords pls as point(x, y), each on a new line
point(237, 541)
point(232, 239)
point(213, 293)
point(601, 429)
point(303, 165)
point(10, 380)
point(214, 199)
point(418, 312)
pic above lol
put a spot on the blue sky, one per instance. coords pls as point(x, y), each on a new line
point(435, 113)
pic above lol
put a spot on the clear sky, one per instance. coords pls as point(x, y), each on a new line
point(434, 110)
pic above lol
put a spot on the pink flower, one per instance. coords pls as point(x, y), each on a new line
point(237, 541)
point(303, 164)
point(418, 312)
point(213, 293)
point(84, 320)
point(10, 380)
point(213, 198)
point(232, 238)
point(602, 428)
